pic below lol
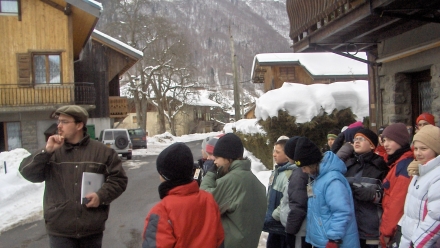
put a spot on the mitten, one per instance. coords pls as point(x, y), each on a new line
point(413, 168)
point(332, 244)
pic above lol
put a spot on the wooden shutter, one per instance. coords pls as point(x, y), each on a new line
point(24, 69)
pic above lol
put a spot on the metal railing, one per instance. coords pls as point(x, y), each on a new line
point(14, 95)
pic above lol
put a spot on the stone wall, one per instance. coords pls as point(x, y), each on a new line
point(29, 138)
point(435, 84)
point(396, 99)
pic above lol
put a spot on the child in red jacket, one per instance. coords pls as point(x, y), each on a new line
point(186, 216)
point(395, 185)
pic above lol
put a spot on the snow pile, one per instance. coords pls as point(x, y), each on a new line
point(246, 126)
point(307, 101)
point(21, 200)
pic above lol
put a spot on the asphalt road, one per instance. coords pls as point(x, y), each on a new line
point(127, 213)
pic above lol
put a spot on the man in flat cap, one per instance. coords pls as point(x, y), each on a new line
point(72, 221)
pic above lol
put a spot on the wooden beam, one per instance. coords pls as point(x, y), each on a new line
point(53, 4)
point(338, 25)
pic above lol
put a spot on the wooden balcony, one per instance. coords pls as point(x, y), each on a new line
point(12, 95)
point(118, 107)
point(307, 16)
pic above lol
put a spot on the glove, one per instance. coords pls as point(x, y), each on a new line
point(362, 193)
point(332, 244)
point(413, 168)
point(213, 168)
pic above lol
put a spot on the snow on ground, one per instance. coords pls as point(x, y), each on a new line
point(22, 201)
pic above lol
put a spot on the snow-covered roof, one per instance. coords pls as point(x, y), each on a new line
point(117, 44)
point(307, 101)
point(203, 101)
point(315, 63)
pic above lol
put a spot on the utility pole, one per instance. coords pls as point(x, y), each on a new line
point(234, 70)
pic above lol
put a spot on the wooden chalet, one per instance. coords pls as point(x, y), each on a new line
point(42, 41)
point(273, 69)
point(402, 42)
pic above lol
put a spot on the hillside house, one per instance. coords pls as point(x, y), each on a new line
point(201, 116)
point(402, 42)
point(42, 44)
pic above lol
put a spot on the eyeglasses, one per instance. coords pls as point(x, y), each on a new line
point(64, 122)
point(360, 139)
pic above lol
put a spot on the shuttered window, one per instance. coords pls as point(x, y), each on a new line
point(8, 6)
point(24, 69)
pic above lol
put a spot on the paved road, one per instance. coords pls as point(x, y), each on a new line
point(127, 213)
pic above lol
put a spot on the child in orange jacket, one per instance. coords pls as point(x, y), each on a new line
point(186, 216)
point(396, 144)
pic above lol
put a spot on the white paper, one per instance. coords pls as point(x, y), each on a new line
point(91, 182)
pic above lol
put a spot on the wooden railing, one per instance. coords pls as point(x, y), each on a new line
point(12, 95)
point(118, 107)
point(306, 16)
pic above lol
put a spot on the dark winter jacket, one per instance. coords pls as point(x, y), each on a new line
point(277, 184)
point(294, 203)
point(62, 172)
point(365, 173)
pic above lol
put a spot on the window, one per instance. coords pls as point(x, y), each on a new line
point(135, 120)
point(46, 68)
point(8, 6)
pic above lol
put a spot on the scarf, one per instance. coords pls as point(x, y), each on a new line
point(397, 154)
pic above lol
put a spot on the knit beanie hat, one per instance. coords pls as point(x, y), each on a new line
point(333, 134)
point(211, 144)
point(397, 132)
point(380, 131)
point(175, 162)
point(350, 132)
point(282, 137)
point(205, 140)
point(430, 136)
point(289, 147)
point(306, 152)
point(229, 146)
point(427, 117)
point(369, 135)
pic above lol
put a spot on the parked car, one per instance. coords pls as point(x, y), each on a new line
point(119, 140)
point(138, 137)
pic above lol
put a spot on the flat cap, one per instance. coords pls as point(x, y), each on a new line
point(77, 112)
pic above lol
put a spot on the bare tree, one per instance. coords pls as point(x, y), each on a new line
point(165, 73)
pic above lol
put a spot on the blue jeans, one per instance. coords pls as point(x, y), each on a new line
point(92, 241)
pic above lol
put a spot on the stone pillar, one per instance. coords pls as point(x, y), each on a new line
point(435, 85)
point(29, 138)
point(396, 99)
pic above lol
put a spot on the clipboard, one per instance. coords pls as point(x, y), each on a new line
point(91, 182)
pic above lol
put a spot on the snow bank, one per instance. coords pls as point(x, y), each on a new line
point(307, 101)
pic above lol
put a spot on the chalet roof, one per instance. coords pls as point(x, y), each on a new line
point(203, 101)
point(89, 6)
point(317, 64)
point(117, 45)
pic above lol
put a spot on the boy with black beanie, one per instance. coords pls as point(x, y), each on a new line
point(365, 172)
point(238, 192)
point(168, 223)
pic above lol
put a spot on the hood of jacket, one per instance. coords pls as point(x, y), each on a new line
point(331, 162)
